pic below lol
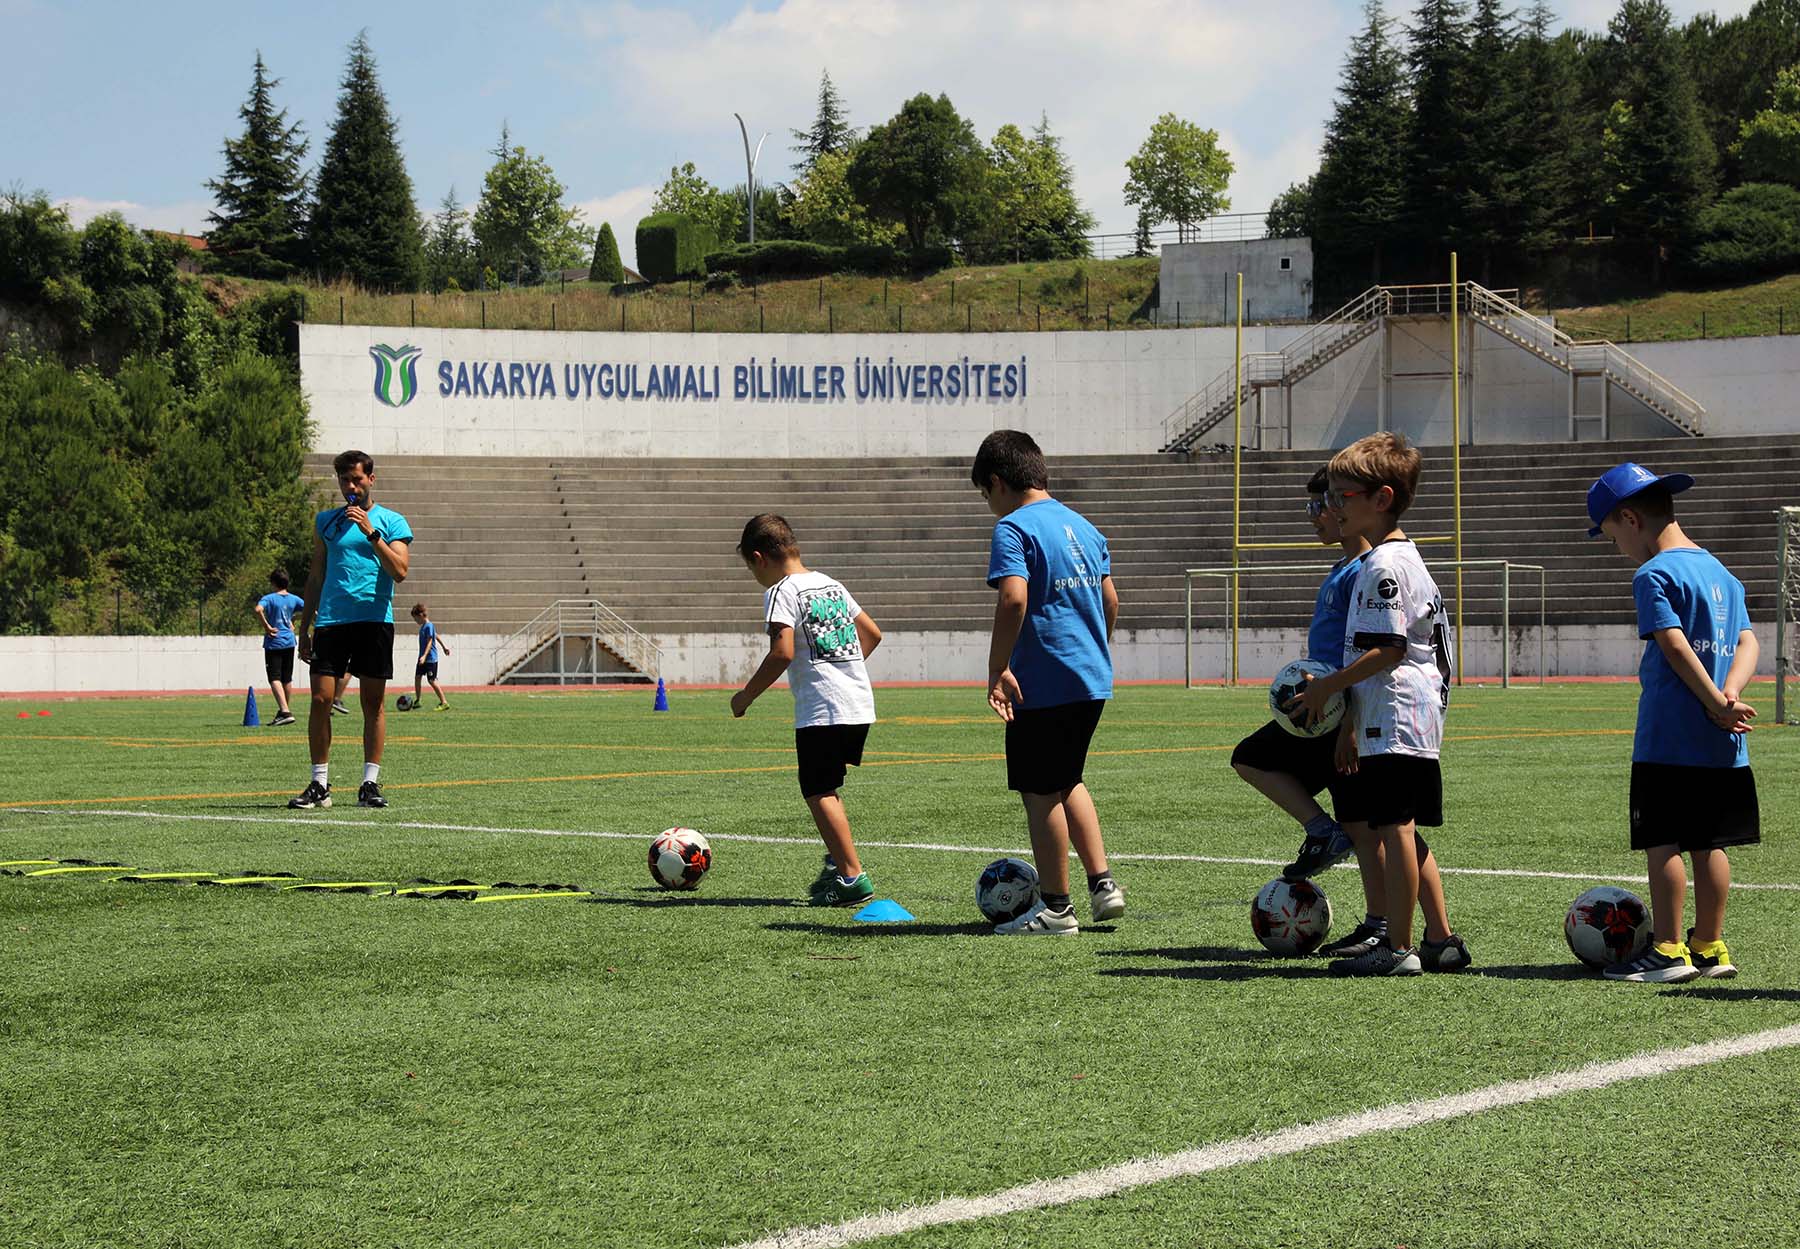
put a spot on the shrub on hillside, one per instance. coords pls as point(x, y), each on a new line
point(1751, 230)
point(794, 258)
point(671, 246)
point(607, 266)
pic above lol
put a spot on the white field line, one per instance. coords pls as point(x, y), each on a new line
point(938, 847)
point(1139, 1172)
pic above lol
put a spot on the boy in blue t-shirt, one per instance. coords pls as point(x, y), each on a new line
point(276, 611)
point(1691, 785)
point(1049, 671)
point(430, 644)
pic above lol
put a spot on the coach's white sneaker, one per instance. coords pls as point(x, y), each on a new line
point(1107, 901)
point(1040, 922)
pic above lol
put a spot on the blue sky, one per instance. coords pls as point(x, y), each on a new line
point(125, 105)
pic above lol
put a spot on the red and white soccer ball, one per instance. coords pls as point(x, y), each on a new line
point(1291, 916)
point(679, 857)
point(1607, 925)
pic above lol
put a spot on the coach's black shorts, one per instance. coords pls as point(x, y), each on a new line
point(1386, 790)
point(827, 752)
point(426, 670)
point(1693, 808)
point(1310, 760)
point(1046, 747)
point(279, 665)
point(363, 649)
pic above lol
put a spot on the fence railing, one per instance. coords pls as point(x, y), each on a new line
point(586, 619)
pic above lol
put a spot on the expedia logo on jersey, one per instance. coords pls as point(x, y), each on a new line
point(1388, 588)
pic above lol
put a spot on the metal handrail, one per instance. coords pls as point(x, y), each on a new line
point(600, 621)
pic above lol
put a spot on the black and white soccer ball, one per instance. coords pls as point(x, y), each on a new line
point(679, 857)
point(1286, 687)
point(1291, 916)
point(1006, 889)
point(403, 703)
point(1607, 925)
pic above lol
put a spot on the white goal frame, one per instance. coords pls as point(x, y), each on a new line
point(1787, 610)
point(1231, 575)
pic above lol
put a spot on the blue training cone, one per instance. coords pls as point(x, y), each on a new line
point(662, 696)
point(884, 911)
point(251, 719)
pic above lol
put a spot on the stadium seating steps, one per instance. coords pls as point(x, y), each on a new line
point(653, 539)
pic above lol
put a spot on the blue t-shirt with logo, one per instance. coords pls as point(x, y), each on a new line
point(1686, 588)
point(1062, 655)
point(1325, 638)
point(278, 609)
point(357, 587)
point(428, 647)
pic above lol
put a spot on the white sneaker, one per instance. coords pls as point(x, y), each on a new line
point(1108, 901)
point(1039, 922)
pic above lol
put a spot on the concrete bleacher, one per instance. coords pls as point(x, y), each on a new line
point(500, 539)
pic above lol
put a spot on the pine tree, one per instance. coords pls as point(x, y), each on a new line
point(607, 266)
point(1491, 200)
point(1544, 140)
point(1359, 195)
point(262, 193)
point(364, 224)
point(1440, 142)
point(830, 131)
point(449, 251)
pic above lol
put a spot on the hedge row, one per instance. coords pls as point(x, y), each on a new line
point(795, 258)
point(671, 246)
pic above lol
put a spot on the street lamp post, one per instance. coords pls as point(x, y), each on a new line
point(750, 170)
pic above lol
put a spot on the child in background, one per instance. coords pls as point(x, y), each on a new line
point(431, 642)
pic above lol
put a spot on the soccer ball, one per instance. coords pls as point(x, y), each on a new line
point(679, 857)
point(1607, 925)
point(1291, 916)
point(1287, 686)
point(403, 703)
point(1006, 889)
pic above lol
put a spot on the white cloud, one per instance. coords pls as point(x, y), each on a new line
point(1595, 14)
point(185, 217)
point(623, 209)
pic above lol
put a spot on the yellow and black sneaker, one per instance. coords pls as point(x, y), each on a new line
point(1664, 962)
point(1714, 961)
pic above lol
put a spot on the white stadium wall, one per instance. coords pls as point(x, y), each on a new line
point(1079, 393)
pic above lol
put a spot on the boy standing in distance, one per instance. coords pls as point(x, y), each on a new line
point(1691, 785)
point(820, 638)
point(430, 643)
point(1049, 671)
point(347, 626)
point(1397, 662)
point(276, 611)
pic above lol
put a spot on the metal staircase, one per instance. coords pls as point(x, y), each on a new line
point(1363, 316)
point(566, 643)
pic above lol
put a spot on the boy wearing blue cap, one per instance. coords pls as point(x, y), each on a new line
point(1691, 786)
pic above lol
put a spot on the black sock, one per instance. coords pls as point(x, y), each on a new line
point(1096, 879)
point(1056, 902)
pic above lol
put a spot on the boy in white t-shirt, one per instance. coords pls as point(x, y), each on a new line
point(819, 637)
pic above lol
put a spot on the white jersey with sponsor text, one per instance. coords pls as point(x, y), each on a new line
point(1396, 603)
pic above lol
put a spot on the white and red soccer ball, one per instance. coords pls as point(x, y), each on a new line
point(679, 857)
point(1291, 916)
point(1607, 925)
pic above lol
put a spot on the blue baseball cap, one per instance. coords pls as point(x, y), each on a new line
point(1625, 481)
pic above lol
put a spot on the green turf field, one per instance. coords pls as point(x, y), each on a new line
point(189, 1066)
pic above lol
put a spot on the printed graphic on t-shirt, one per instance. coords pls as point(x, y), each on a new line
point(829, 625)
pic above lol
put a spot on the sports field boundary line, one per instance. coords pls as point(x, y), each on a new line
point(1246, 1150)
point(938, 847)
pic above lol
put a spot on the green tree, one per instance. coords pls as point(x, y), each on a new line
point(830, 134)
point(607, 266)
point(1659, 160)
point(522, 228)
point(1545, 137)
point(38, 247)
point(825, 210)
point(1734, 63)
point(1768, 146)
point(1292, 214)
point(1359, 195)
point(1031, 197)
point(1179, 174)
point(1441, 145)
point(262, 193)
point(1749, 231)
point(364, 224)
point(449, 249)
point(923, 168)
point(689, 195)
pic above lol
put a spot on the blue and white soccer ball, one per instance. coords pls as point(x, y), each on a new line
point(1286, 687)
point(403, 703)
point(1006, 889)
point(1607, 925)
point(1291, 916)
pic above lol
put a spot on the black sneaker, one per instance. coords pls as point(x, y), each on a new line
point(1317, 854)
point(1450, 954)
point(338, 708)
point(1655, 967)
point(285, 717)
point(1360, 940)
point(370, 795)
point(314, 795)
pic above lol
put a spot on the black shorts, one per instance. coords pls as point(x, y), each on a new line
point(1310, 760)
point(827, 752)
point(363, 649)
point(1387, 790)
point(1693, 808)
point(1046, 747)
point(279, 665)
point(426, 670)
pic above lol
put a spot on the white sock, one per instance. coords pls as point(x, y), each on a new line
point(322, 774)
point(371, 772)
